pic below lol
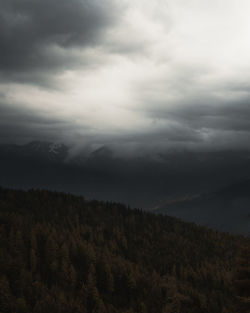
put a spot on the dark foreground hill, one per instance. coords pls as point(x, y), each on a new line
point(60, 253)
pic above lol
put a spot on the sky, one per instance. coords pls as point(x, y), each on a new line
point(134, 75)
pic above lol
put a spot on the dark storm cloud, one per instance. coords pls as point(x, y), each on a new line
point(34, 34)
point(181, 102)
point(212, 117)
point(18, 125)
point(229, 116)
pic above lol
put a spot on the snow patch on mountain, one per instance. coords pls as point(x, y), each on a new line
point(54, 147)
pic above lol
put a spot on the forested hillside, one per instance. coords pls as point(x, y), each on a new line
point(60, 253)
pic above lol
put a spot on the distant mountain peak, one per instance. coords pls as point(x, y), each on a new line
point(55, 147)
point(42, 150)
point(102, 152)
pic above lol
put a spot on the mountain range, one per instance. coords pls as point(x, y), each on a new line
point(206, 188)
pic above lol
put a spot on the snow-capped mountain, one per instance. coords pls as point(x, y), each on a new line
point(39, 150)
point(55, 147)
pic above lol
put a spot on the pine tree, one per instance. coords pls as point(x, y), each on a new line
point(242, 281)
point(5, 296)
point(93, 293)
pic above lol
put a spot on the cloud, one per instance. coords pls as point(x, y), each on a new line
point(20, 126)
point(133, 75)
point(45, 36)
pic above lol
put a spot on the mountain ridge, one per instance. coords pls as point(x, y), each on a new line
point(227, 208)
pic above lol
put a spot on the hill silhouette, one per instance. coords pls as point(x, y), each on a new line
point(226, 209)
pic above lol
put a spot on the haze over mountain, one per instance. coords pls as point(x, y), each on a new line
point(149, 101)
point(227, 209)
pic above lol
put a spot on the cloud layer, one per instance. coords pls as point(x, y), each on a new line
point(133, 75)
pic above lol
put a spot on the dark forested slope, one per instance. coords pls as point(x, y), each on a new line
point(60, 253)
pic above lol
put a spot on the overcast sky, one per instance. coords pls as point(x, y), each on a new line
point(135, 75)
